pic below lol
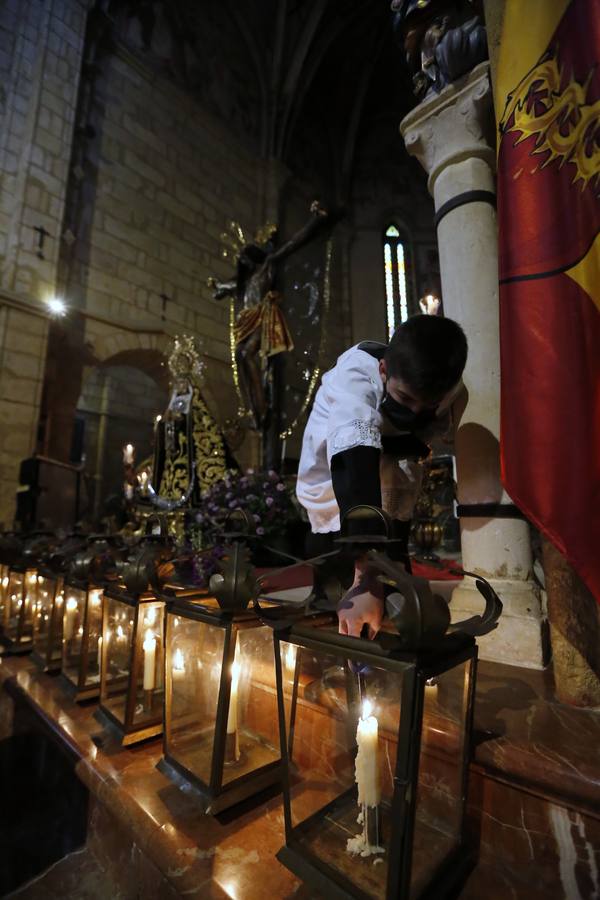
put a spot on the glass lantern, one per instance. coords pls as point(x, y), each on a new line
point(376, 744)
point(48, 620)
point(20, 599)
point(81, 607)
point(132, 682)
point(4, 579)
point(221, 731)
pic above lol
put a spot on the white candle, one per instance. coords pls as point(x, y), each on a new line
point(143, 482)
point(99, 653)
point(70, 618)
point(367, 766)
point(290, 661)
point(232, 718)
point(178, 665)
point(431, 689)
point(149, 661)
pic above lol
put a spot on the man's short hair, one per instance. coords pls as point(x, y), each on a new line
point(429, 354)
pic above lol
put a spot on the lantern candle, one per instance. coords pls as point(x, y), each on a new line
point(290, 661)
point(143, 482)
point(369, 785)
point(149, 667)
point(232, 746)
point(431, 689)
point(178, 665)
point(99, 654)
point(70, 618)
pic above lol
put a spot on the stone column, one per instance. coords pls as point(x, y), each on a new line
point(452, 136)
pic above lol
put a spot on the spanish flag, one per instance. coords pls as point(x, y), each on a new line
point(547, 98)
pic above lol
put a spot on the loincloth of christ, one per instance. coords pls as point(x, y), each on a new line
point(275, 336)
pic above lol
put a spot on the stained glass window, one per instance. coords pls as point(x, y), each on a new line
point(396, 294)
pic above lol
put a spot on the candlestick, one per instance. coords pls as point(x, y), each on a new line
point(232, 747)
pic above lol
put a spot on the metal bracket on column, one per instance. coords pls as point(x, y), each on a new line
point(462, 199)
point(488, 511)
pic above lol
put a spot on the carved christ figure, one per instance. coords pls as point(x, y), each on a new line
point(261, 330)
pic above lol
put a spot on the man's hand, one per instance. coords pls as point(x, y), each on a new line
point(361, 605)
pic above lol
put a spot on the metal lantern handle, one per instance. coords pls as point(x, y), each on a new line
point(480, 625)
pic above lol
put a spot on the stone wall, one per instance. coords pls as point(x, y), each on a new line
point(40, 47)
point(163, 174)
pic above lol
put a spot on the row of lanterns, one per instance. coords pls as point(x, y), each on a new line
point(369, 739)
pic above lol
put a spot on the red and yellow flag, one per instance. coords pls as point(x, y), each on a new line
point(547, 98)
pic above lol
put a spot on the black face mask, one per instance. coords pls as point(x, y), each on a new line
point(402, 417)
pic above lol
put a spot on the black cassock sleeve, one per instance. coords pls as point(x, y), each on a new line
point(355, 478)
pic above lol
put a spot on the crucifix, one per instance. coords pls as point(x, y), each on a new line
point(261, 332)
point(42, 234)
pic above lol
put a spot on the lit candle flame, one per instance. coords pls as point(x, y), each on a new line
point(71, 604)
point(151, 616)
point(96, 598)
point(119, 631)
point(367, 709)
point(178, 661)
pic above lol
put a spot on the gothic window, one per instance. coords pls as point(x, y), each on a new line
point(396, 295)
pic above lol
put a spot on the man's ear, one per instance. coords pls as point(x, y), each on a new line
point(383, 370)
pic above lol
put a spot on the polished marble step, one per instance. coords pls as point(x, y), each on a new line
point(533, 801)
point(78, 876)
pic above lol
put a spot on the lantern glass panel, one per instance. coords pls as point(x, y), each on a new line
point(196, 660)
point(148, 682)
point(73, 622)
point(4, 579)
point(441, 784)
point(25, 628)
point(47, 619)
point(14, 601)
point(253, 703)
point(118, 635)
point(94, 636)
point(323, 701)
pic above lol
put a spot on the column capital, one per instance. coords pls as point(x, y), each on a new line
point(454, 125)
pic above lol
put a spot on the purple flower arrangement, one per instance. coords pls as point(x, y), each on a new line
point(262, 495)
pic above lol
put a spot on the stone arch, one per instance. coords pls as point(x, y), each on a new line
point(116, 343)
